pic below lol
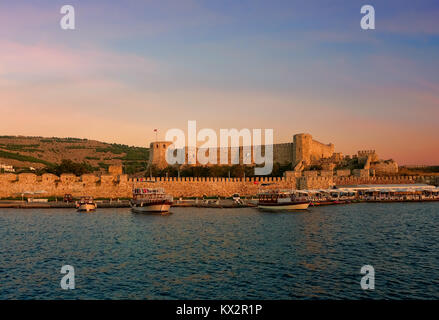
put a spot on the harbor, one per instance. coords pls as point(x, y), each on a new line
point(220, 157)
point(320, 197)
point(222, 253)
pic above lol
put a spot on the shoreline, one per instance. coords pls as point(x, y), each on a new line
point(18, 204)
point(222, 204)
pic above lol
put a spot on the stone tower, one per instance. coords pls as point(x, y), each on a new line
point(302, 148)
point(306, 150)
point(157, 153)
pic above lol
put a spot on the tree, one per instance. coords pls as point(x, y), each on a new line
point(237, 171)
point(68, 166)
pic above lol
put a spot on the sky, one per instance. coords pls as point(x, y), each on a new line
point(131, 67)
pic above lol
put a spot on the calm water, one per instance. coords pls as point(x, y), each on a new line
point(222, 253)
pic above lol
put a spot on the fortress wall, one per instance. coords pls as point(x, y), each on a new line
point(110, 186)
point(49, 178)
point(308, 150)
point(307, 183)
point(384, 167)
point(343, 173)
point(283, 153)
point(303, 148)
point(223, 187)
point(326, 173)
point(378, 180)
point(310, 174)
point(8, 177)
point(320, 150)
point(292, 174)
point(51, 185)
point(313, 182)
point(363, 155)
point(160, 161)
point(362, 173)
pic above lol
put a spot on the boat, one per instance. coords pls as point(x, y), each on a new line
point(86, 204)
point(330, 197)
point(278, 200)
point(151, 200)
point(317, 203)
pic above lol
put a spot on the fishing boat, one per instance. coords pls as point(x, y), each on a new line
point(278, 200)
point(86, 204)
point(151, 200)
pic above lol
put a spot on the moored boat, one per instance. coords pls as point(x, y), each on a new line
point(86, 204)
point(151, 200)
point(277, 200)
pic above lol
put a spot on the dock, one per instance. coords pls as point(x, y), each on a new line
point(193, 203)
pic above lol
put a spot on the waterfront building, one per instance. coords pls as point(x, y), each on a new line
point(6, 168)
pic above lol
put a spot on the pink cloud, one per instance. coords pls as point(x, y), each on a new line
point(60, 62)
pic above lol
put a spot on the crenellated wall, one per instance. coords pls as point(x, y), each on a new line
point(111, 186)
point(303, 148)
point(326, 182)
point(351, 180)
point(106, 186)
point(385, 167)
point(224, 187)
point(308, 183)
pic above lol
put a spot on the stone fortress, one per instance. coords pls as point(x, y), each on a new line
point(120, 185)
point(303, 149)
point(303, 153)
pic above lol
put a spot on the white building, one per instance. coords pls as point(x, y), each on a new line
point(6, 168)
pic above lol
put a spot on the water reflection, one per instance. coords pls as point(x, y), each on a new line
point(221, 253)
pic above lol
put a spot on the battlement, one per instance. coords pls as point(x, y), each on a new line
point(365, 153)
point(110, 186)
point(302, 149)
point(346, 181)
point(209, 179)
point(120, 186)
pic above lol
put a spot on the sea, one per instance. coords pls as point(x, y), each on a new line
point(203, 253)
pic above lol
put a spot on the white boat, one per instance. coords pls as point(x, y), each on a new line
point(276, 200)
point(151, 200)
point(284, 207)
point(86, 204)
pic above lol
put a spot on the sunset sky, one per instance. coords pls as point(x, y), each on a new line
point(294, 66)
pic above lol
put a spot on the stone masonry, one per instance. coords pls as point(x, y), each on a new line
point(120, 186)
point(303, 149)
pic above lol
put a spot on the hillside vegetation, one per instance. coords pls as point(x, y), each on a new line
point(47, 154)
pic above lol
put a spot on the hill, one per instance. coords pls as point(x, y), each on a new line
point(38, 152)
